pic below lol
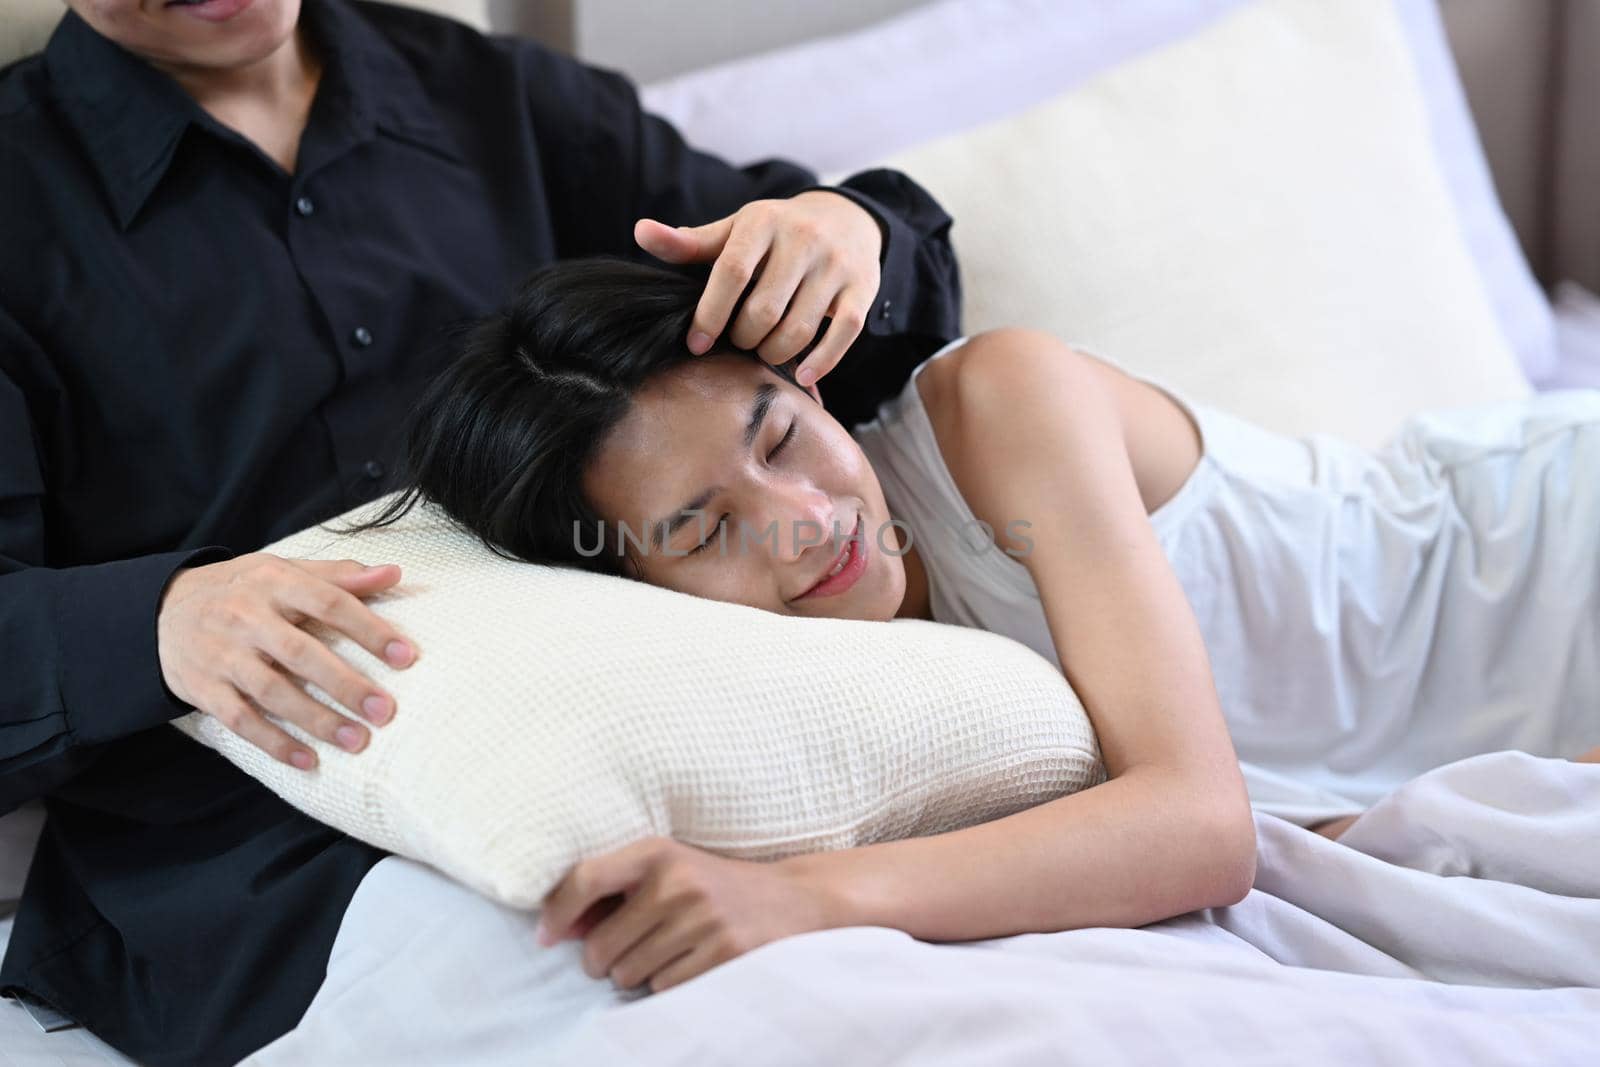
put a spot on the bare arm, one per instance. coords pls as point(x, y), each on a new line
point(1031, 431)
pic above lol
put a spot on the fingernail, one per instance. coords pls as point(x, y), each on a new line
point(699, 342)
point(349, 738)
point(377, 709)
point(301, 758)
point(398, 653)
point(805, 376)
point(542, 934)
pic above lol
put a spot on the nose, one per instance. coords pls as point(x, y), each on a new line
point(804, 517)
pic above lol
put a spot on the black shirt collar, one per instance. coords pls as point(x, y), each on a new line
point(131, 117)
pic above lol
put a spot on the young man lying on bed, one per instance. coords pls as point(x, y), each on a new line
point(1131, 534)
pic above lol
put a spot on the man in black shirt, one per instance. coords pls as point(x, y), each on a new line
point(213, 315)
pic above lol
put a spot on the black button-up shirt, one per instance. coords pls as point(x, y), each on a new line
point(201, 353)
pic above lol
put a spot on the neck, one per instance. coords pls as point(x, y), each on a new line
point(276, 79)
point(268, 100)
point(917, 602)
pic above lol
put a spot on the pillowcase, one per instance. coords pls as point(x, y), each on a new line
point(1238, 216)
point(952, 65)
point(553, 714)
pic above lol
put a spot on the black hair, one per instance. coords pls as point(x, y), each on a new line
point(500, 439)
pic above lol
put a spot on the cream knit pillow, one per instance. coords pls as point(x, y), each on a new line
point(555, 714)
point(1254, 215)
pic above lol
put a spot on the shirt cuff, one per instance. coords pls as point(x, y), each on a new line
point(106, 616)
point(896, 261)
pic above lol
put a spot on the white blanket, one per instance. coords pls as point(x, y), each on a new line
point(1458, 922)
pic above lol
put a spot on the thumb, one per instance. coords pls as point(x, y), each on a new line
point(683, 244)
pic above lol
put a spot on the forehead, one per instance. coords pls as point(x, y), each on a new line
point(679, 421)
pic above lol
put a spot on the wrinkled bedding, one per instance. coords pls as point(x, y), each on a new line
point(1458, 921)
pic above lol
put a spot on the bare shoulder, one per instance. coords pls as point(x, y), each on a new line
point(1005, 369)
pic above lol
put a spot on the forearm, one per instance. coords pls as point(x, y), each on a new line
point(1139, 848)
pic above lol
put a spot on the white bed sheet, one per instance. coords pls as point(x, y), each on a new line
point(1458, 923)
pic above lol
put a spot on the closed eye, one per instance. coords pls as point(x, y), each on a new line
point(703, 545)
point(784, 441)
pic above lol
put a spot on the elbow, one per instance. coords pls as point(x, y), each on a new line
point(1232, 867)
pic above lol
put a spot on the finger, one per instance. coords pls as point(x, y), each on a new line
point(232, 710)
point(777, 282)
point(340, 609)
point(597, 913)
point(801, 323)
point(350, 573)
point(730, 275)
point(683, 244)
point(589, 880)
point(691, 964)
point(264, 683)
point(304, 657)
point(848, 315)
point(619, 931)
point(667, 942)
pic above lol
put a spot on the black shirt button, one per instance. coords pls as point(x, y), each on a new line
point(361, 337)
point(373, 469)
point(883, 312)
point(304, 206)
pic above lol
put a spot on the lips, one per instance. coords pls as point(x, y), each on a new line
point(847, 564)
point(210, 10)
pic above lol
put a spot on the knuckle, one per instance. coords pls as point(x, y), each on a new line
point(797, 329)
point(764, 310)
point(295, 647)
point(273, 566)
point(808, 232)
point(226, 613)
point(326, 599)
point(229, 713)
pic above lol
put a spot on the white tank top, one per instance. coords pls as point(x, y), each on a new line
point(1368, 616)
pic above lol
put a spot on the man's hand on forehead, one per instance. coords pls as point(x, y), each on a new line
point(795, 263)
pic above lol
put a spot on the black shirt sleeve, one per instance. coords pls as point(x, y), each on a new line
point(624, 163)
point(78, 643)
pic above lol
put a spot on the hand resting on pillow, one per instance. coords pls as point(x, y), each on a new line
point(230, 645)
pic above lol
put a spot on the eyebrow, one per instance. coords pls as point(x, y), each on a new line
point(663, 529)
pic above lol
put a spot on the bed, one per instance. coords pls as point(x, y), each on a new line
point(1458, 921)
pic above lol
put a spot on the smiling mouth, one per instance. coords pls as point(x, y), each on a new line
point(846, 560)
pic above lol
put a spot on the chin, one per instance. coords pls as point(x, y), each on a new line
point(256, 32)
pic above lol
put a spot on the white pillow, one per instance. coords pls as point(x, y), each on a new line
point(554, 714)
point(1242, 216)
